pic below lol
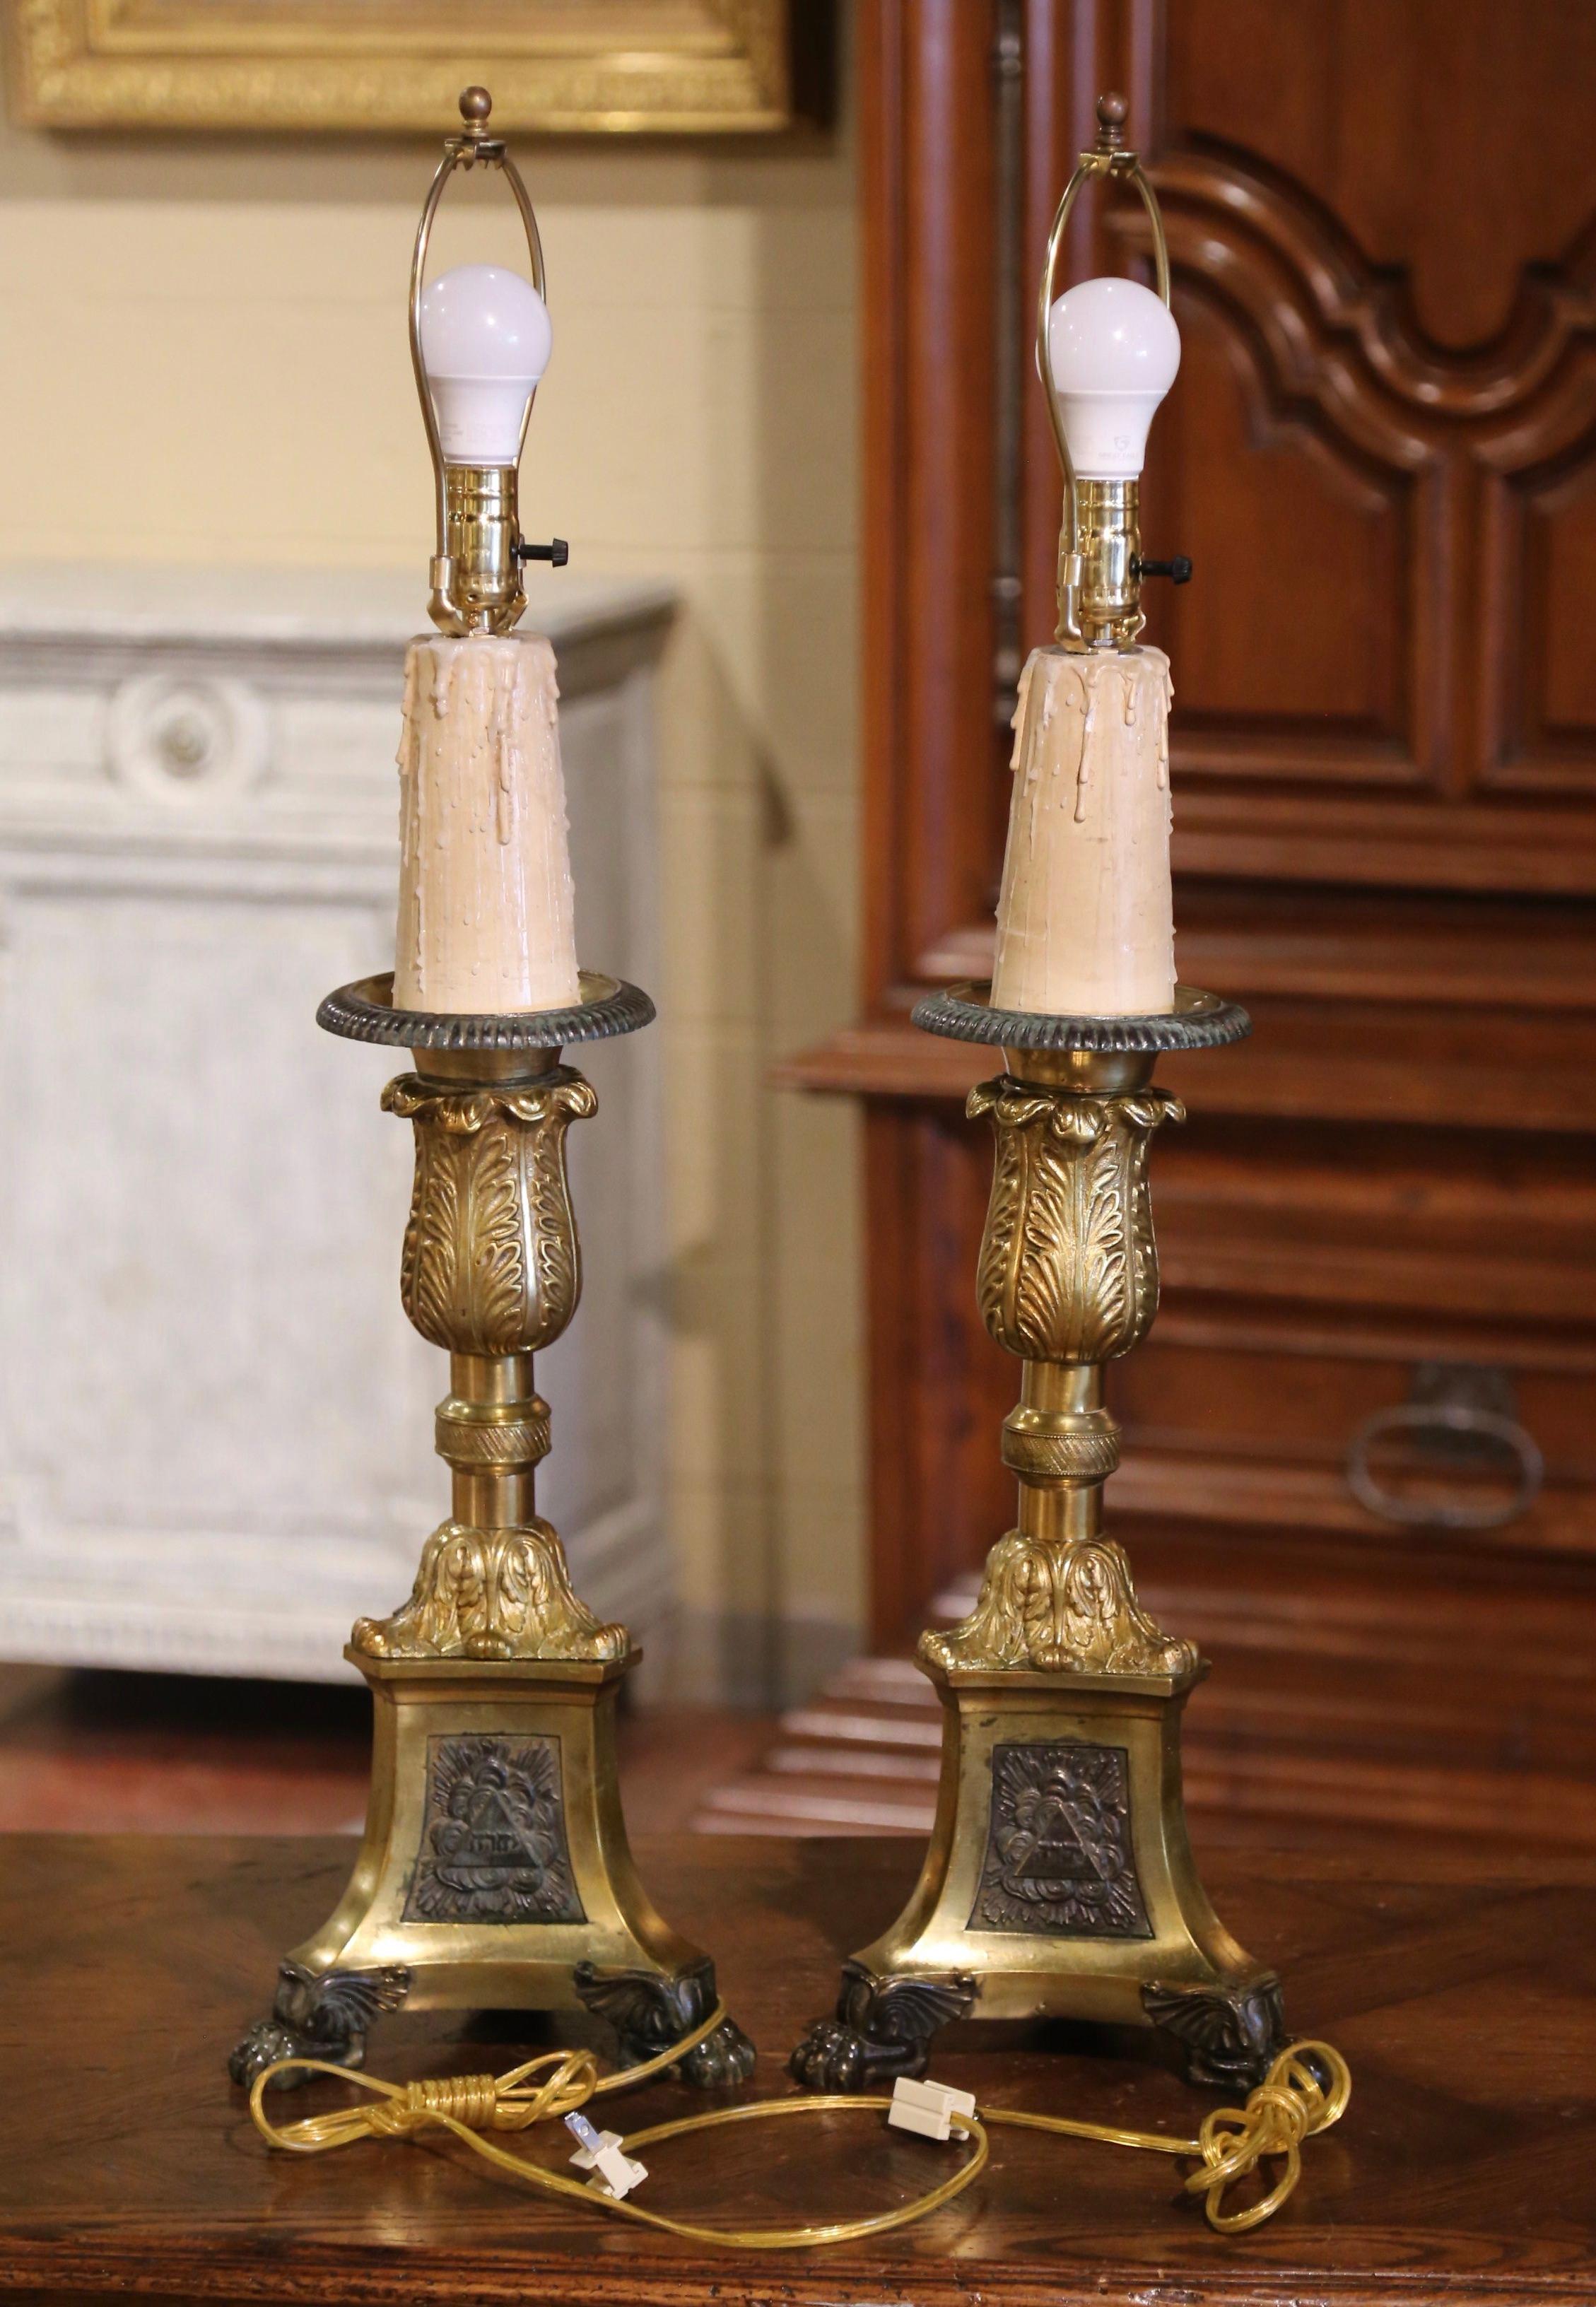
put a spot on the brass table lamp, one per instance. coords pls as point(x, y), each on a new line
point(1059, 1882)
point(494, 1873)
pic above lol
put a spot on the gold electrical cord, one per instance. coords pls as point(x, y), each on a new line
point(1289, 2105)
point(469, 2104)
point(1304, 2091)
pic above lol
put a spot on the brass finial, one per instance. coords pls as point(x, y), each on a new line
point(476, 104)
point(1112, 111)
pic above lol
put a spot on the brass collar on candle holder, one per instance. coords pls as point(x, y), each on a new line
point(1099, 563)
point(477, 571)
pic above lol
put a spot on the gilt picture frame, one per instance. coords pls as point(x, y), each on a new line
point(557, 67)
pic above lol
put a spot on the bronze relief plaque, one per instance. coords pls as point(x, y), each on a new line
point(1059, 1856)
point(492, 1841)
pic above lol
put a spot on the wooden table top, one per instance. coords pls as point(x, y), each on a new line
point(1465, 2166)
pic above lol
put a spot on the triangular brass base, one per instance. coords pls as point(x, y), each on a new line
point(494, 1874)
point(1059, 1883)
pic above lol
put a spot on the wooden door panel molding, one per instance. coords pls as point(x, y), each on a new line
point(940, 1388)
point(1357, 494)
point(925, 163)
point(1301, 1497)
point(1322, 1061)
point(1382, 456)
point(1320, 506)
point(1272, 836)
point(1294, 670)
point(1418, 1334)
point(1435, 133)
point(1538, 691)
point(1206, 1400)
point(1480, 464)
point(1454, 951)
point(1351, 319)
point(1377, 367)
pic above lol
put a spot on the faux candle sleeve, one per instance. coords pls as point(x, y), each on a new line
point(1086, 915)
point(485, 912)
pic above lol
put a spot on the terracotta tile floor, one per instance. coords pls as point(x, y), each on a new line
point(107, 1754)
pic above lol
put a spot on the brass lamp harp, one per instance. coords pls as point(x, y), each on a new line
point(1100, 562)
point(477, 571)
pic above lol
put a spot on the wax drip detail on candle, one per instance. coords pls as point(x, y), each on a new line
point(1084, 917)
point(485, 919)
point(1083, 770)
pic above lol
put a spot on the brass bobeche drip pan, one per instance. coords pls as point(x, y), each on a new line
point(365, 1011)
point(1199, 1021)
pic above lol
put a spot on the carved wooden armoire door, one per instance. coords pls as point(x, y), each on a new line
point(1360, 1444)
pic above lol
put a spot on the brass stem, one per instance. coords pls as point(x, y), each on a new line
point(1055, 1512)
point(491, 1390)
point(485, 1068)
point(491, 1381)
point(1092, 1073)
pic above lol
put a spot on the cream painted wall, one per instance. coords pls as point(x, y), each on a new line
point(202, 356)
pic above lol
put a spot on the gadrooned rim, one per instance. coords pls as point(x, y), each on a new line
point(364, 1012)
point(1199, 1021)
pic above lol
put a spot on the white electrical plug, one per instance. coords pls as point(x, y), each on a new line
point(927, 2108)
point(615, 2174)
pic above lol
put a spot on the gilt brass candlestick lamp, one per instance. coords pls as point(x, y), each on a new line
point(494, 1872)
point(1058, 1881)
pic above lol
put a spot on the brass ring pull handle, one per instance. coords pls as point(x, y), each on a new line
point(1448, 1424)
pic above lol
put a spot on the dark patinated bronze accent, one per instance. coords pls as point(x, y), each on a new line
point(364, 1011)
point(1199, 1021)
point(492, 1839)
point(649, 2012)
point(1059, 1861)
point(317, 2015)
point(883, 2029)
point(1229, 2034)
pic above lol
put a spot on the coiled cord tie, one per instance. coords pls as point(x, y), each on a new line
point(1304, 2091)
point(511, 2102)
point(1289, 2105)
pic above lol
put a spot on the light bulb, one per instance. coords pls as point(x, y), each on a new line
point(486, 341)
point(1113, 348)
